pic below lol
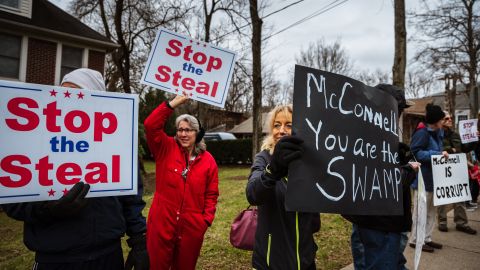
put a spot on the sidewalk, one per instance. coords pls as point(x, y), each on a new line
point(460, 250)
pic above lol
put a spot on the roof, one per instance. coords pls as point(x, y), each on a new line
point(246, 127)
point(50, 20)
point(419, 107)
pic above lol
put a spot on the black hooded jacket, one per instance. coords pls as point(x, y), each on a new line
point(95, 232)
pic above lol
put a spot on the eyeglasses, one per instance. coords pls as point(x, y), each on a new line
point(186, 130)
point(447, 118)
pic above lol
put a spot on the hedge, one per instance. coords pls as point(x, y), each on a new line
point(231, 151)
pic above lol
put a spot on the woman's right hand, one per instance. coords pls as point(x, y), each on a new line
point(177, 101)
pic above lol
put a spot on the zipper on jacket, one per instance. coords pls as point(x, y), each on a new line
point(297, 234)
point(268, 248)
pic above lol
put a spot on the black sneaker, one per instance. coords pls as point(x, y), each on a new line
point(466, 229)
point(434, 245)
point(443, 227)
point(424, 248)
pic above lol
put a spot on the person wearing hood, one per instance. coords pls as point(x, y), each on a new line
point(75, 232)
point(427, 141)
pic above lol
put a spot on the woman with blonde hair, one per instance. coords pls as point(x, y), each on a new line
point(284, 239)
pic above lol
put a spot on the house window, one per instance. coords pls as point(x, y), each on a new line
point(461, 118)
point(10, 47)
point(10, 3)
point(71, 59)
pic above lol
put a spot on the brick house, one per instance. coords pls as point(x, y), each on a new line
point(39, 43)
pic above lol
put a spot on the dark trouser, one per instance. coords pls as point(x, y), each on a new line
point(474, 189)
point(382, 249)
point(112, 261)
point(358, 252)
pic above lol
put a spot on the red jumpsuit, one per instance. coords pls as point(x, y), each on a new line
point(182, 209)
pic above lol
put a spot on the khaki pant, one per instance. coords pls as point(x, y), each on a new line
point(459, 214)
point(430, 218)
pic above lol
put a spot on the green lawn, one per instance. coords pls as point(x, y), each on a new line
point(217, 253)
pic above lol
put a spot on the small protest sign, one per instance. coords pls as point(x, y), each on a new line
point(180, 65)
point(53, 137)
point(468, 130)
point(450, 179)
point(350, 164)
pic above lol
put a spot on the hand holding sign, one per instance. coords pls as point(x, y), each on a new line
point(68, 206)
point(286, 150)
point(177, 101)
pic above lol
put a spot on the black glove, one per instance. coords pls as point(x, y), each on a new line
point(138, 257)
point(404, 154)
point(67, 206)
point(286, 150)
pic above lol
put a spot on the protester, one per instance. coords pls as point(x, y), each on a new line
point(78, 233)
point(452, 144)
point(185, 199)
point(427, 141)
point(474, 182)
point(284, 239)
point(376, 240)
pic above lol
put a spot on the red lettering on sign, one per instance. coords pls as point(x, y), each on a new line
point(13, 107)
point(7, 165)
point(100, 129)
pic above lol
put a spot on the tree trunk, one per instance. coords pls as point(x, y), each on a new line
point(256, 76)
point(400, 58)
point(472, 55)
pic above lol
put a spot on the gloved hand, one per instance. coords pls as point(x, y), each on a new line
point(286, 150)
point(67, 206)
point(404, 154)
point(138, 257)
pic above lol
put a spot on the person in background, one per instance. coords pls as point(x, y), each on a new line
point(376, 241)
point(474, 182)
point(75, 232)
point(284, 239)
point(186, 192)
point(452, 144)
point(427, 141)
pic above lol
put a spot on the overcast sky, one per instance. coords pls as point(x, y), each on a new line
point(364, 27)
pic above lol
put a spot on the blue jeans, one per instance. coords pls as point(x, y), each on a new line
point(381, 249)
point(357, 249)
point(403, 244)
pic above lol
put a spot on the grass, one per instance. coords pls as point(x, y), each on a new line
point(217, 253)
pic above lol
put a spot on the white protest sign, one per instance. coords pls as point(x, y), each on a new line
point(468, 130)
point(181, 65)
point(450, 179)
point(421, 203)
point(53, 137)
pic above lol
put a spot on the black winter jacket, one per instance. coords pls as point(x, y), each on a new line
point(95, 232)
point(283, 240)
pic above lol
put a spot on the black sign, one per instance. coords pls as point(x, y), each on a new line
point(350, 163)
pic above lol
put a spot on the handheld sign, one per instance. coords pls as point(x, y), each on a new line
point(180, 65)
point(350, 163)
point(450, 179)
point(468, 130)
point(53, 137)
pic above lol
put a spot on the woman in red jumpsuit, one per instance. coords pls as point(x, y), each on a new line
point(186, 191)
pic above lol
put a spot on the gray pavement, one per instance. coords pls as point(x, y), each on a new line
point(460, 250)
